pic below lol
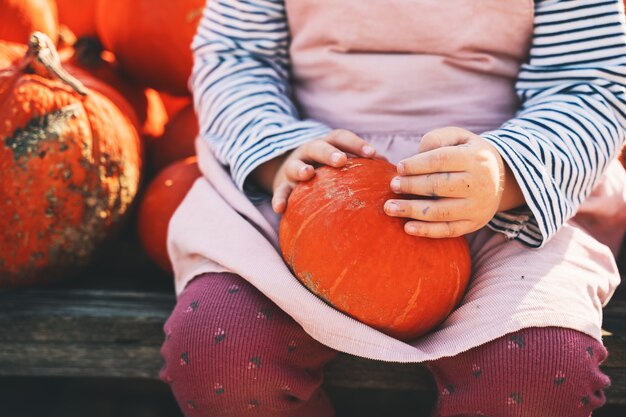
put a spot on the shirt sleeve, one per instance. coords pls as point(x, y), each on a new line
point(240, 83)
point(572, 117)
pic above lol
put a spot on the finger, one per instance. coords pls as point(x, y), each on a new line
point(448, 159)
point(350, 142)
point(322, 152)
point(447, 136)
point(455, 184)
point(281, 194)
point(444, 210)
point(297, 170)
point(440, 229)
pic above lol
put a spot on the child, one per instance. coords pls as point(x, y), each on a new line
point(509, 111)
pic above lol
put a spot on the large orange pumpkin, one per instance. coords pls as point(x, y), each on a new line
point(152, 39)
point(79, 16)
point(162, 197)
point(19, 18)
point(176, 143)
point(70, 163)
point(341, 245)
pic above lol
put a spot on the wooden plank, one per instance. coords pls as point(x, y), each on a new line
point(99, 333)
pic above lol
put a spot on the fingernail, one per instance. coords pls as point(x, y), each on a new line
point(410, 229)
point(368, 150)
point(395, 184)
point(336, 157)
point(401, 168)
point(304, 170)
point(392, 207)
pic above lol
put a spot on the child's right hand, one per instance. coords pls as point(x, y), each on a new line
point(299, 164)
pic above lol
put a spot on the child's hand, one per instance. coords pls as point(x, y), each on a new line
point(297, 166)
point(466, 178)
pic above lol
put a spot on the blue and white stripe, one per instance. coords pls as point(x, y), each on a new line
point(572, 119)
point(241, 85)
point(570, 125)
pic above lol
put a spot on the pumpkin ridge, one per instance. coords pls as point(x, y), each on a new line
point(409, 306)
point(39, 129)
point(340, 278)
point(307, 221)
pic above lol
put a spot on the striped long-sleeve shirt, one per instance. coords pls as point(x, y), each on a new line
point(570, 124)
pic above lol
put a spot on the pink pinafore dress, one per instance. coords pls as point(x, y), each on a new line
point(391, 70)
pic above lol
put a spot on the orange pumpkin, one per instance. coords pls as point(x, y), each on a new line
point(89, 55)
point(174, 104)
point(10, 52)
point(19, 18)
point(164, 194)
point(79, 16)
point(155, 115)
point(86, 57)
point(341, 245)
point(152, 39)
point(176, 143)
point(70, 163)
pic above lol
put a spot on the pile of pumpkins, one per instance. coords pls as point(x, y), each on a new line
point(94, 105)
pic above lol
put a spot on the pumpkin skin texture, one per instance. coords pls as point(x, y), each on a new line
point(79, 16)
point(177, 141)
point(20, 18)
point(152, 39)
point(10, 52)
point(70, 162)
point(158, 204)
point(341, 245)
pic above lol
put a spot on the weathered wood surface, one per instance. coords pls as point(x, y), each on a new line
point(104, 333)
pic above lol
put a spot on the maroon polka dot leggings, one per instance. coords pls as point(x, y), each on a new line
point(229, 351)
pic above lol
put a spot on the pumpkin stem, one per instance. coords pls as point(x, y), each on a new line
point(41, 51)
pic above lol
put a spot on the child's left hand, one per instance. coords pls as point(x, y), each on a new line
point(464, 177)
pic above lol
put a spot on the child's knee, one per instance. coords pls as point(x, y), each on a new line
point(228, 347)
point(537, 371)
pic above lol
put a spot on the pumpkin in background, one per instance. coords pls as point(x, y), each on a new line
point(158, 204)
point(622, 157)
point(87, 58)
point(89, 55)
point(155, 115)
point(341, 245)
point(10, 52)
point(20, 18)
point(152, 40)
point(70, 163)
point(79, 16)
point(176, 143)
point(175, 104)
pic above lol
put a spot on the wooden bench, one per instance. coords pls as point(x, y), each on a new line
point(108, 321)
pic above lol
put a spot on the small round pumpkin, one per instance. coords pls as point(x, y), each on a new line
point(152, 40)
point(20, 18)
point(159, 202)
point(341, 245)
point(177, 141)
point(70, 163)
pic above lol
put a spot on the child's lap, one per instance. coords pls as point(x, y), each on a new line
point(562, 284)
